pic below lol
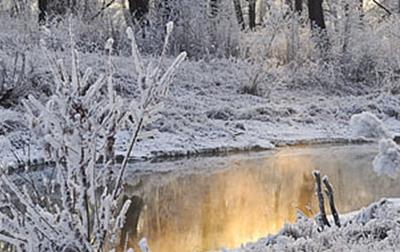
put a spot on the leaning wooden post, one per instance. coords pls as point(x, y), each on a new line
point(320, 196)
point(329, 193)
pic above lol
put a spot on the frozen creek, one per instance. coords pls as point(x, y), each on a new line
point(210, 203)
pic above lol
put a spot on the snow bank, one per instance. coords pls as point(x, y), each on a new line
point(387, 162)
point(207, 112)
point(368, 125)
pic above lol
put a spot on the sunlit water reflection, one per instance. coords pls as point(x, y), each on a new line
point(241, 198)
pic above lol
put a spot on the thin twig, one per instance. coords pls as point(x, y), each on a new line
point(102, 9)
point(126, 158)
point(382, 7)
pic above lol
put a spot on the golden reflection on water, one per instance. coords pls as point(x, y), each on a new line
point(251, 200)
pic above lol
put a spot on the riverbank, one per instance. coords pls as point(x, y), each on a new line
point(207, 111)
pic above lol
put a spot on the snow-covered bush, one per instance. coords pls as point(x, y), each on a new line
point(80, 208)
point(368, 125)
point(387, 162)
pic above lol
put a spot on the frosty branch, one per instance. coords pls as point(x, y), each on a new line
point(83, 209)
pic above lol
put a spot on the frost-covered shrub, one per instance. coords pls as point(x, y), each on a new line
point(18, 79)
point(80, 208)
point(368, 125)
point(387, 162)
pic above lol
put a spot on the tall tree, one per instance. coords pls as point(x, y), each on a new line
point(214, 6)
point(361, 9)
point(239, 14)
point(138, 10)
point(252, 14)
point(55, 8)
point(316, 14)
point(42, 11)
point(298, 6)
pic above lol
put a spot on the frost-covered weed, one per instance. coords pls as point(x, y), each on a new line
point(79, 207)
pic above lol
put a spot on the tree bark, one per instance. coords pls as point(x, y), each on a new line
point(252, 14)
point(214, 6)
point(298, 6)
point(138, 9)
point(316, 14)
point(239, 14)
point(55, 8)
point(42, 11)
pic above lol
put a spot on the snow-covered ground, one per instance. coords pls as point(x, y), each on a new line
point(207, 110)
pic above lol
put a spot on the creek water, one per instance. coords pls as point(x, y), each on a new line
point(209, 203)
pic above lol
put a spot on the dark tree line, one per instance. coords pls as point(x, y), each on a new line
point(315, 12)
point(138, 9)
point(50, 8)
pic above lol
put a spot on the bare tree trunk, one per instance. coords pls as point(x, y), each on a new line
point(55, 8)
point(298, 6)
point(361, 9)
point(316, 14)
point(138, 9)
point(239, 14)
point(42, 11)
point(346, 32)
point(252, 14)
point(214, 6)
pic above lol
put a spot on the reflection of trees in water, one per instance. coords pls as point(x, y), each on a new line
point(306, 193)
point(132, 220)
point(250, 200)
